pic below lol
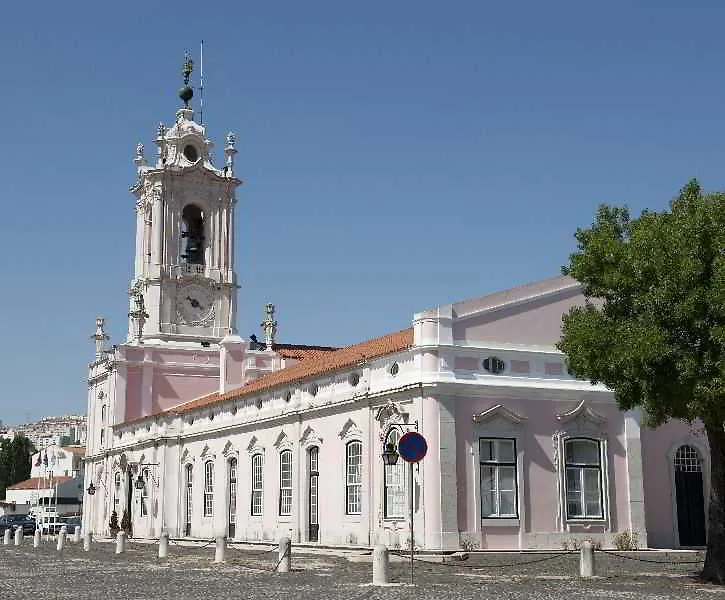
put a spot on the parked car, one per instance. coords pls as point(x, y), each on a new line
point(53, 526)
point(14, 521)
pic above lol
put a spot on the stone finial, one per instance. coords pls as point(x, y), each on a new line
point(161, 131)
point(100, 336)
point(229, 152)
point(139, 160)
point(138, 314)
point(269, 326)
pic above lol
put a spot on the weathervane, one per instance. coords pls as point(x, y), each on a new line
point(186, 93)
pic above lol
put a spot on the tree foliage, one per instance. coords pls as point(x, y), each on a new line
point(653, 326)
point(15, 456)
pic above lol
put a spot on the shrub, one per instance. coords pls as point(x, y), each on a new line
point(126, 522)
point(468, 543)
point(626, 540)
point(113, 523)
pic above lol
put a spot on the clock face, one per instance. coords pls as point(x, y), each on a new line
point(194, 304)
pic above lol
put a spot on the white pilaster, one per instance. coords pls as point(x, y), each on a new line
point(635, 488)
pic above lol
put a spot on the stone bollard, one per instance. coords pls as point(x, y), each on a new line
point(36, 539)
point(221, 547)
point(163, 545)
point(61, 538)
point(120, 542)
point(19, 536)
point(380, 565)
point(285, 555)
point(586, 560)
point(77, 535)
point(6, 537)
point(87, 539)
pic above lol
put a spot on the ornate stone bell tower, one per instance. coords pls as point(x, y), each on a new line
point(184, 286)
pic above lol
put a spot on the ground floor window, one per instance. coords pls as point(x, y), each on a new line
point(394, 482)
point(498, 478)
point(353, 469)
point(583, 465)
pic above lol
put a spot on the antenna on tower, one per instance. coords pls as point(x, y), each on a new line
point(201, 84)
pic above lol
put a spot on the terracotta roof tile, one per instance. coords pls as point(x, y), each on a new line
point(300, 352)
point(43, 482)
point(316, 363)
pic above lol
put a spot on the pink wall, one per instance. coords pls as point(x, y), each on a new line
point(537, 322)
point(539, 494)
point(658, 446)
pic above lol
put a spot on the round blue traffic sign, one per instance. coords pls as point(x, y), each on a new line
point(412, 447)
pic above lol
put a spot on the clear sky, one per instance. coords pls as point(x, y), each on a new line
point(397, 155)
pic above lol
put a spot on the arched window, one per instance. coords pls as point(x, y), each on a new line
point(208, 489)
point(353, 473)
point(145, 493)
point(257, 481)
point(103, 414)
point(394, 482)
point(232, 517)
point(188, 501)
point(285, 482)
point(583, 463)
point(688, 460)
point(192, 235)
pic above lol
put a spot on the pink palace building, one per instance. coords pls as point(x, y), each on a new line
point(195, 431)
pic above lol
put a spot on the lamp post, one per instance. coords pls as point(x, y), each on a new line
point(91, 492)
point(412, 448)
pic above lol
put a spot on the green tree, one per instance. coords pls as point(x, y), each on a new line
point(15, 456)
point(653, 326)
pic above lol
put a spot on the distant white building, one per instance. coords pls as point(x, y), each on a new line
point(64, 494)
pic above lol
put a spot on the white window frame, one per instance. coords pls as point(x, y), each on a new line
point(256, 507)
point(395, 483)
point(208, 510)
point(145, 493)
point(232, 485)
point(353, 481)
point(116, 491)
point(188, 493)
point(497, 464)
point(581, 469)
point(285, 484)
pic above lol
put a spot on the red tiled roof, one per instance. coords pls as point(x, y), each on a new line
point(299, 351)
point(74, 449)
point(316, 363)
point(43, 482)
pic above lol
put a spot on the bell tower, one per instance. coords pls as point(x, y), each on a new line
point(184, 287)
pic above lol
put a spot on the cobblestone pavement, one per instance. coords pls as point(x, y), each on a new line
point(190, 574)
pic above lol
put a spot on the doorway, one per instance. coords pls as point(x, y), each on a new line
point(690, 497)
point(313, 521)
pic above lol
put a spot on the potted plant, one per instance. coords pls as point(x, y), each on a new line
point(113, 524)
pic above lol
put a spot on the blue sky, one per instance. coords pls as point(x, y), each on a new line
point(397, 155)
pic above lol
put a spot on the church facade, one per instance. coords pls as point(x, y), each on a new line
point(194, 431)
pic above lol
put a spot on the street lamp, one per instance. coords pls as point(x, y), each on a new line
point(91, 489)
point(390, 455)
point(140, 483)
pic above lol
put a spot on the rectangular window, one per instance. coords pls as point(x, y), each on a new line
point(353, 469)
point(498, 478)
point(257, 466)
point(285, 483)
point(583, 479)
point(209, 489)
